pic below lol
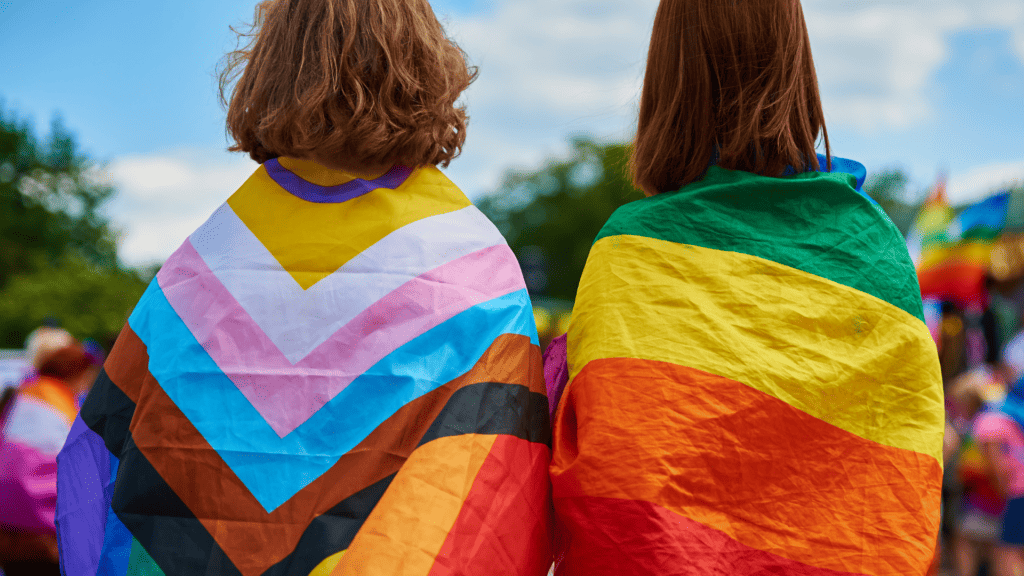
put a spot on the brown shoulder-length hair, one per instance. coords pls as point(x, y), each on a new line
point(729, 82)
point(360, 82)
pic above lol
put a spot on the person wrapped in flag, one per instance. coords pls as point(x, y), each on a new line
point(750, 386)
point(339, 372)
point(35, 418)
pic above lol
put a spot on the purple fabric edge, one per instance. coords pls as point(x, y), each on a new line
point(83, 474)
point(556, 371)
point(298, 186)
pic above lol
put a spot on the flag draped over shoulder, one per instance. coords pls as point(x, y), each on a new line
point(752, 389)
point(332, 375)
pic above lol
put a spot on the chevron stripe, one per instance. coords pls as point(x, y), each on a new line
point(115, 558)
point(180, 540)
point(311, 244)
point(383, 311)
point(275, 468)
point(512, 360)
point(298, 321)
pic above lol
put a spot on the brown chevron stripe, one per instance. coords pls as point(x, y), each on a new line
point(198, 476)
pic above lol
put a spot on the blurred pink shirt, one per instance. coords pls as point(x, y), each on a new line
point(996, 427)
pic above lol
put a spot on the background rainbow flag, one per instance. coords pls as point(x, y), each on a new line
point(331, 375)
point(752, 389)
point(956, 247)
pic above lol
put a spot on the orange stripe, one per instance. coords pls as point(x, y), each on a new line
point(747, 464)
point(504, 526)
point(55, 393)
point(407, 529)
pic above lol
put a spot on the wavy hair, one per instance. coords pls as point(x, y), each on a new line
point(728, 82)
point(365, 82)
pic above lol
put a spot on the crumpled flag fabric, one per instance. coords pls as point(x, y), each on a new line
point(332, 375)
point(752, 389)
point(32, 432)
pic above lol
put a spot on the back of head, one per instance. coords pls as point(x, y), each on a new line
point(730, 82)
point(363, 82)
point(56, 353)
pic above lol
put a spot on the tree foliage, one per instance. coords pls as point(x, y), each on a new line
point(87, 300)
point(551, 216)
point(59, 254)
point(890, 188)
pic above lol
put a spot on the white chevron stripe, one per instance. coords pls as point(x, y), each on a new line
point(297, 320)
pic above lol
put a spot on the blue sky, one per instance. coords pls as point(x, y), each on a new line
point(927, 85)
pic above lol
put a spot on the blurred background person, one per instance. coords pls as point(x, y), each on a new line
point(37, 422)
point(999, 433)
point(978, 503)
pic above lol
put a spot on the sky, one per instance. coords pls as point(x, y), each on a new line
point(929, 86)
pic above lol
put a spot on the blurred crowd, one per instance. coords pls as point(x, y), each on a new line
point(981, 347)
point(38, 406)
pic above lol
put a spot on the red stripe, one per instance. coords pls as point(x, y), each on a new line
point(747, 464)
point(625, 537)
point(506, 514)
point(961, 281)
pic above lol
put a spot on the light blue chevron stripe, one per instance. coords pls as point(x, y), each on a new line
point(274, 469)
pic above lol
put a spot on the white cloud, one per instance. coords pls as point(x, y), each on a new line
point(548, 70)
point(981, 181)
point(162, 198)
point(875, 57)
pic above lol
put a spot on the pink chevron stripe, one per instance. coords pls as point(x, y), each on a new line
point(286, 395)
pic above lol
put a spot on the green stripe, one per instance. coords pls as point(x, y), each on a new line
point(983, 234)
point(815, 222)
point(140, 563)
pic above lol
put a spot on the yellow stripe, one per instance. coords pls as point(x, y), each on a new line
point(407, 528)
point(838, 354)
point(974, 252)
point(311, 241)
point(327, 566)
point(320, 175)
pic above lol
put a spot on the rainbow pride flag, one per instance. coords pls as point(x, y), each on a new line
point(956, 248)
point(332, 375)
point(752, 389)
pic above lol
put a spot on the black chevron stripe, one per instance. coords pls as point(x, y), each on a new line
point(181, 545)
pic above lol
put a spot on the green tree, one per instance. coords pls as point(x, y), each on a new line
point(59, 254)
point(551, 216)
point(891, 189)
point(88, 300)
